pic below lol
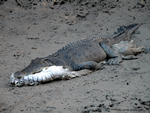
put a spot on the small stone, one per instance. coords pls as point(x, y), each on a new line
point(135, 68)
point(111, 105)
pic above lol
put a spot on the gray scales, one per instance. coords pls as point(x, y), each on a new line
point(80, 58)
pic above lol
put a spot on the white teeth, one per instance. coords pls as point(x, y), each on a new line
point(47, 74)
point(16, 82)
point(30, 77)
point(25, 78)
point(12, 75)
point(47, 77)
point(21, 80)
point(40, 77)
point(44, 78)
point(12, 79)
point(35, 78)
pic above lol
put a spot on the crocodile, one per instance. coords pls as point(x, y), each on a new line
point(80, 58)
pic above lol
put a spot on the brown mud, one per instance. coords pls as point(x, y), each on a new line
point(38, 29)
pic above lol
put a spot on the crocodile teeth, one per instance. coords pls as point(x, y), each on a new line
point(47, 74)
point(12, 79)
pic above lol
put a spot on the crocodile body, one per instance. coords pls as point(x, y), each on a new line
point(85, 54)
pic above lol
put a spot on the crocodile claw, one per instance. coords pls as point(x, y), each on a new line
point(114, 61)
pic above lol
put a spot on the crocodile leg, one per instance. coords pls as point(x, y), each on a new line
point(79, 73)
point(128, 50)
point(114, 56)
point(74, 74)
point(128, 53)
point(131, 51)
point(129, 57)
point(91, 65)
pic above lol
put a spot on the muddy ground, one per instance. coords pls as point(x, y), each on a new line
point(37, 29)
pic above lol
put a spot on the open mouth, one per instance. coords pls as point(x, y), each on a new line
point(47, 74)
point(25, 80)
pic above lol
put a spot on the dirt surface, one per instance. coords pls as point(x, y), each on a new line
point(38, 29)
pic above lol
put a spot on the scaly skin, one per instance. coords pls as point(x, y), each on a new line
point(82, 54)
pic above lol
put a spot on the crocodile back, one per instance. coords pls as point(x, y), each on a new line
point(81, 51)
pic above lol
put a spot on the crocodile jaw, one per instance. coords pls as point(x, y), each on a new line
point(47, 74)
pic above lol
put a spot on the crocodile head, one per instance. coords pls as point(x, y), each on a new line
point(36, 66)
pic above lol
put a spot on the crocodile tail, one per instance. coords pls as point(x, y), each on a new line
point(123, 33)
point(133, 27)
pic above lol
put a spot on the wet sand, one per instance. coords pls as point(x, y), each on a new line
point(42, 29)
